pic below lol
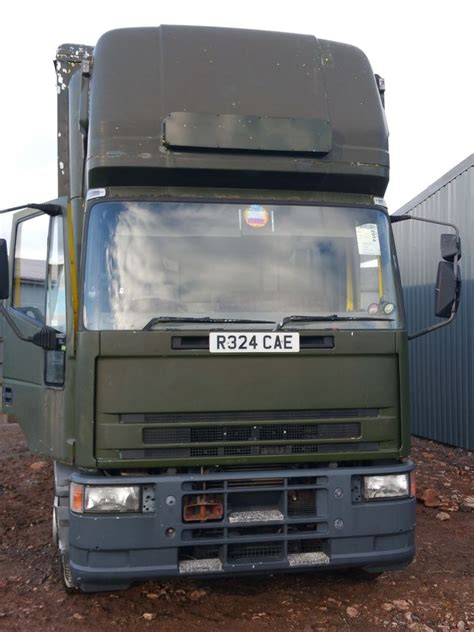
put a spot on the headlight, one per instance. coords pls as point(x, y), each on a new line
point(386, 486)
point(105, 498)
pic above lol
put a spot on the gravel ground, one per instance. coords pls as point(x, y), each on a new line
point(435, 593)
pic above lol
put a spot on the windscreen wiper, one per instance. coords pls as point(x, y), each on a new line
point(332, 317)
point(202, 319)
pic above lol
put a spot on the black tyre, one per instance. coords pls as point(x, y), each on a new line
point(65, 574)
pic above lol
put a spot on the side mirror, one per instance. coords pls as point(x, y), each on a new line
point(4, 273)
point(450, 246)
point(448, 280)
point(447, 290)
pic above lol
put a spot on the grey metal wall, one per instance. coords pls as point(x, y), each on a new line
point(441, 363)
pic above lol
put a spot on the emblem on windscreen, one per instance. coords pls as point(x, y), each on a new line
point(256, 216)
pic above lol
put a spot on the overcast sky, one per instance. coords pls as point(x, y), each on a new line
point(423, 49)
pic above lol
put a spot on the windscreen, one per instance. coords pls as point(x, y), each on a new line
point(238, 261)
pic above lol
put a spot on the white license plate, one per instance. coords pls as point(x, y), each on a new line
point(251, 342)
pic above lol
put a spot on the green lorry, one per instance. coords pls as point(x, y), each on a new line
point(206, 330)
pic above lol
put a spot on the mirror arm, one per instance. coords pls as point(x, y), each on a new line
point(428, 330)
point(402, 218)
point(49, 209)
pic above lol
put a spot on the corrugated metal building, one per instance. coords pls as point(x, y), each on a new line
point(441, 363)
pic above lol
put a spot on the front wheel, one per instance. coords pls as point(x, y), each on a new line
point(65, 573)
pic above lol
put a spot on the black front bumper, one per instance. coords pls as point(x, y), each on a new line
point(278, 520)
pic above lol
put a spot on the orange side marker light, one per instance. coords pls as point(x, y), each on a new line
point(77, 497)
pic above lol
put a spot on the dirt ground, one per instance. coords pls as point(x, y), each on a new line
point(435, 593)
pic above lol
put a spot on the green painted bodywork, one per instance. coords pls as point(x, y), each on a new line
point(232, 84)
point(112, 373)
point(118, 143)
point(137, 372)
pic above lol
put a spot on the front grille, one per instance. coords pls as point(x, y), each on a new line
point(248, 434)
point(255, 552)
point(269, 432)
point(254, 450)
point(286, 523)
point(301, 503)
point(248, 415)
point(246, 532)
point(305, 546)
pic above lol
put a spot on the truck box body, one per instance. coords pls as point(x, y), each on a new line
point(219, 186)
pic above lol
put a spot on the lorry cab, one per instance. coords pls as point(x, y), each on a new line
point(220, 360)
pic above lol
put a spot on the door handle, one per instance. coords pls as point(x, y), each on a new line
point(7, 394)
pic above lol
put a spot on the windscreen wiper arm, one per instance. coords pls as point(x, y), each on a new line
point(295, 318)
point(202, 319)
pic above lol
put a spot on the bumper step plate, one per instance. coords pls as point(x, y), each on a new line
point(200, 566)
point(259, 515)
point(307, 559)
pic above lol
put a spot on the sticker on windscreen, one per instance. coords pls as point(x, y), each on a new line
point(256, 216)
point(368, 239)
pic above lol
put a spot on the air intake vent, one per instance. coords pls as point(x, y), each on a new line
point(267, 432)
point(248, 415)
point(246, 450)
point(255, 552)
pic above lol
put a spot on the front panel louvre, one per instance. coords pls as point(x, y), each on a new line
point(247, 415)
point(273, 432)
point(247, 450)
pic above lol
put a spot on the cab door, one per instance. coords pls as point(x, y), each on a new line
point(34, 378)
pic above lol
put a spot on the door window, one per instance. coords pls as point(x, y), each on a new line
point(29, 271)
point(56, 297)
